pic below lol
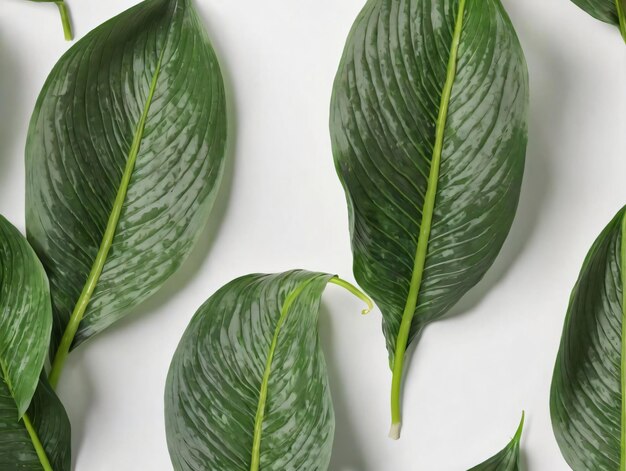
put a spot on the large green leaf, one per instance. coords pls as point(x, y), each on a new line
point(587, 398)
point(248, 387)
point(34, 430)
point(428, 124)
point(506, 460)
point(124, 156)
point(65, 16)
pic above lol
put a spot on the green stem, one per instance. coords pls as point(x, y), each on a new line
point(622, 466)
point(41, 453)
point(107, 240)
point(356, 291)
point(424, 234)
point(65, 20)
point(260, 413)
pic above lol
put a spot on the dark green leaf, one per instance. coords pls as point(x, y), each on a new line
point(51, 427)
point(508, 458)
point(428, 124)
point(25, 317)
point(25, 400)
point(604, 10)
point(587, 400)
point(124, 156)
point(248, 387)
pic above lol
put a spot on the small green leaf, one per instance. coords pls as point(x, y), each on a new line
point(587, 398)
point(508, 459)
point(247, 389)
point(125, 154)
point(429, 132)
point(34, 430)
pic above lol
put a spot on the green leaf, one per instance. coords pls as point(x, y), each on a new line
point(248, 387)
point(47, 433)
point(587, 397)
point(65, 16)
point(125, 154)
point(507, 459)
point(428, 124)
point(603, 10)
point(30, 413)
point(25, 316)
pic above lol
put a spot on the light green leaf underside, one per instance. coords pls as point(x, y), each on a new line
point(79, 143)
point(215, 379)
point(603, 10)
point(52, 426)
point(384, 114)
point(586, 397)
point(508, 459)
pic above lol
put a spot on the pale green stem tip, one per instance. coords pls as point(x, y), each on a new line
point(356, 291)
point(394, 431)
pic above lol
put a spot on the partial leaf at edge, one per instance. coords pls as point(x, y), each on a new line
point(603, 10)
point(154, 59)
point(384, 121)
point(506, 460)
point(214, 381)
point(25, 317)
point(25, 325)
point(17, 452)
point(586, 397)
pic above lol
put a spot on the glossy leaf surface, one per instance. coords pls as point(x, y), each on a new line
point(253, 342)
point(52, 427)
point(124, 157)
point(25, 317)
point(428, 125)
point(506, 460)
point(587, 400)
point(25, 325)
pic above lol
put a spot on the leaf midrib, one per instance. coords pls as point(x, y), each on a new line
point(426, 222)
point(30, 429)
point(109, 234)
point(260, 414)
point(622, 466)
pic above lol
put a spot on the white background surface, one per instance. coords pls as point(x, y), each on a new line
point(282, 207)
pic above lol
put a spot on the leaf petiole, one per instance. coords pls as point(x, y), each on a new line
point(424, 234)
point(356, 291)
point(65, 20)
point(41, 453)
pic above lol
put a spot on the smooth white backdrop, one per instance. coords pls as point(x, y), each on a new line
point(282, 207)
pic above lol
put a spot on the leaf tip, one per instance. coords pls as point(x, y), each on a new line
point(520, 428)
point(394, 431)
